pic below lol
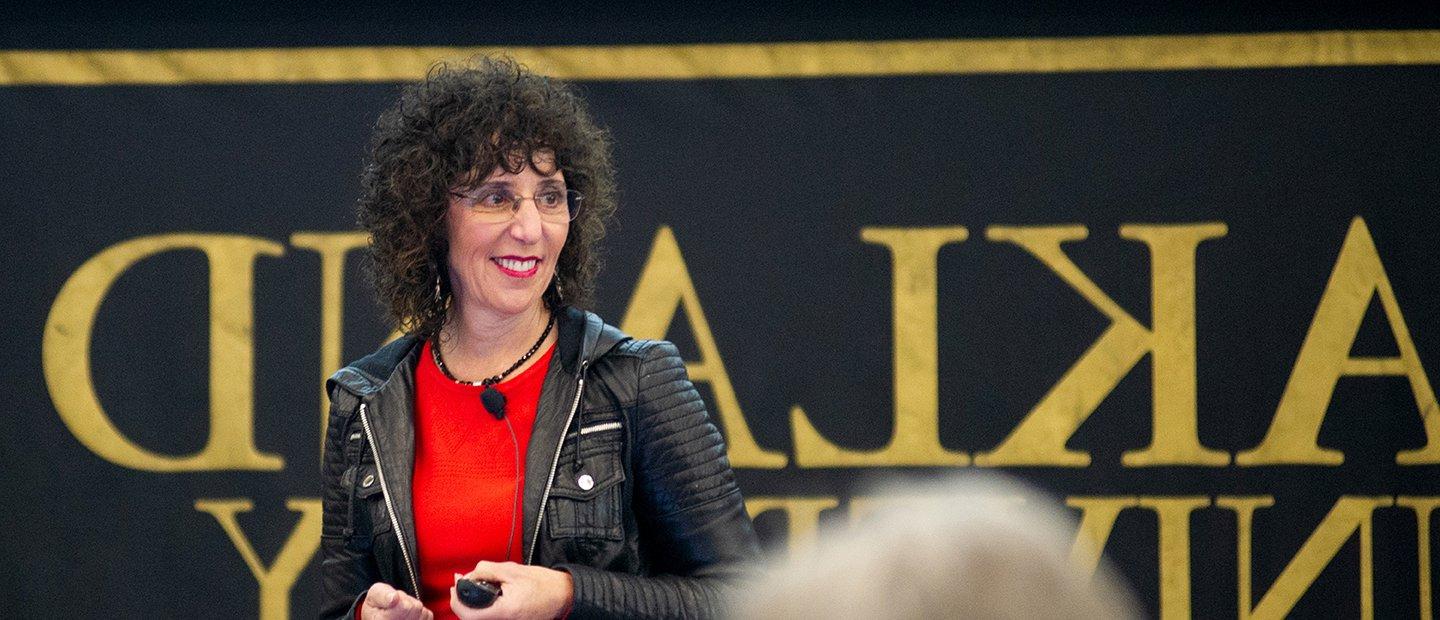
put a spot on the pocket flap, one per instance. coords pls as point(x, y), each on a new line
point(598, 475)
point(367, 480)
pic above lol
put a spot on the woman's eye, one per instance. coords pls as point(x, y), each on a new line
point(493, 199)
point(550, 199)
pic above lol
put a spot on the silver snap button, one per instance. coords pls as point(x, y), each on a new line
point(369, 480)
point(586, 482)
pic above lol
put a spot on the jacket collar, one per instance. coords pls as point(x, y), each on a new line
point(581, 337)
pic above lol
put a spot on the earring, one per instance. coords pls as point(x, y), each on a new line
point(437, 309)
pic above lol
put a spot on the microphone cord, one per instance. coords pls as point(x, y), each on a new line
point(515, 445)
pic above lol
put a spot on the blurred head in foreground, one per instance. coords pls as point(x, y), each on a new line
point(967, 547)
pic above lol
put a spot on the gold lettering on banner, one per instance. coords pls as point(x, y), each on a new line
point(333, 247)
point(1293, 438)
point(1097, 520)
point(66, 353)
point(1423, 507)
point(915, 440)
point(802, 515)
point(1349, 515)
point(664, 287)
point(279, 578)
point(1040, 437)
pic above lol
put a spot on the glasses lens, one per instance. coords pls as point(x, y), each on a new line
point(488, 206)
point(573, 200)
point(493, 212)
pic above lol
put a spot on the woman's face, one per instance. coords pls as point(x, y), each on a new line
point(502, 269)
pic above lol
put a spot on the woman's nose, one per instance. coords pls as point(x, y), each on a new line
point(525, 227)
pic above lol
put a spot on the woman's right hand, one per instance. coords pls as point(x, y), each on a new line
point(383, 602)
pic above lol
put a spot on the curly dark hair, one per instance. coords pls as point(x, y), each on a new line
point(452, 129)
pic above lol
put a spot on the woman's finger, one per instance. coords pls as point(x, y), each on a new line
point(412, 608)
point(456, 606)
point(381, 596)
point(493, 572)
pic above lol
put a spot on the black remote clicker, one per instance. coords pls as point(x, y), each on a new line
point(476, 594)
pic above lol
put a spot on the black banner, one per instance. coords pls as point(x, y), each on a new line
point(1192, 296)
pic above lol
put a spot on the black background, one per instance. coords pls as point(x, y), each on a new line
point(766, 184)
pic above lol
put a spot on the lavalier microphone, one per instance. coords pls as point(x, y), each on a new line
point(494, 401)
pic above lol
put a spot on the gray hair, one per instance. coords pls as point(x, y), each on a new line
point(969, 547)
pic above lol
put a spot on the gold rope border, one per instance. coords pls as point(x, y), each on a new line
point(732, 60)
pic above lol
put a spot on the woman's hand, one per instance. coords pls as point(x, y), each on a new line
point(383, 602)
point(529, 592)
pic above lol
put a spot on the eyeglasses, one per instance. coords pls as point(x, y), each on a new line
point(499, 205)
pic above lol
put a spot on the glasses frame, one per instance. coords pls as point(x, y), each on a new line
point(573, 201)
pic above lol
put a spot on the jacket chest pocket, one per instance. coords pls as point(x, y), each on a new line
point(367, 506)
point(586, 496)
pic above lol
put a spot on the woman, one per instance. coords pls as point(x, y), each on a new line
point(511, 437)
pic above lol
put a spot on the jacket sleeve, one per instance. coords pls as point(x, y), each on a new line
point(691, 515)
point(346, 574)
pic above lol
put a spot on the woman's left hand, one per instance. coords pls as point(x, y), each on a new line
point(531, 592)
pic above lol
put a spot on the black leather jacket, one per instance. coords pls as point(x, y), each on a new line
point(658, 530)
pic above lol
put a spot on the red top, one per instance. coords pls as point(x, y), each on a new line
point(465, 479)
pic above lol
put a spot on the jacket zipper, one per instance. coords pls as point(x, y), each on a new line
point(554, 464)
point(389, 504)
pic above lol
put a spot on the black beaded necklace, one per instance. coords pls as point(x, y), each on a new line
point(493, 400)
